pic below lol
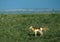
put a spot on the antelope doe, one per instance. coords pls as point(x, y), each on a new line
point(35, 30)
point(41, 30)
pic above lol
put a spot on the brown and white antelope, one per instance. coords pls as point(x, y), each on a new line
point(41, 30)
point(35, 30)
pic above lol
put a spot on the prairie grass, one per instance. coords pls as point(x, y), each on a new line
point(15, 27)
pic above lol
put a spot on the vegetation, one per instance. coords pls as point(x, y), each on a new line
point(15, 27)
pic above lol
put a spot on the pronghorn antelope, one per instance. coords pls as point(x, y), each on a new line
point(36, 30)
point(41, 30)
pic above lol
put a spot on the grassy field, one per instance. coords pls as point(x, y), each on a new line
point(15, 27)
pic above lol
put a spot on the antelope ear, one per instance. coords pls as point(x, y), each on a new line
point(30, 26)
point(46, 26)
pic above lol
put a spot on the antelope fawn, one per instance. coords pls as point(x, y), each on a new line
point(45, 28)
point(35, 30)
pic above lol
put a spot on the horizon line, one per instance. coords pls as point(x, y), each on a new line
point(31, 8)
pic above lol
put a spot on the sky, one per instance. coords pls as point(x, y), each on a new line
point(17, 4)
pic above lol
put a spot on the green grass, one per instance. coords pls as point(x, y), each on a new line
point(15, 27)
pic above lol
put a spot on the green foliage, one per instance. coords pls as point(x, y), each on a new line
point(15, 27)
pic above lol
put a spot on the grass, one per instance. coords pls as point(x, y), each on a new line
point(15, 27)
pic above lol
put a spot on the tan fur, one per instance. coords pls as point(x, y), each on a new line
point(35, 30)
point(45, 28)
point(41, 30)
